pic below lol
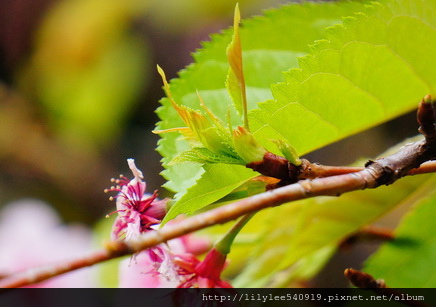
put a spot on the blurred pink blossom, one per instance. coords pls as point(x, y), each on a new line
point(155, 267)
point(31, 235)
point(202, 274)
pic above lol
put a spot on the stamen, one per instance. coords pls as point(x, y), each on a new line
point(123, 180)
point(113, 212)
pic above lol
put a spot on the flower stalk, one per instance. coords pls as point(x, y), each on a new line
point(225, 243)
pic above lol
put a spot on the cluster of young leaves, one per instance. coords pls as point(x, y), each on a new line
point(373, 62)
point(294, 28)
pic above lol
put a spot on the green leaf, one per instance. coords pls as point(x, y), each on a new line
point(375, 66)
point(203, 156)
point(271, 44)
point(226, 177)
point(288, 151)
point(292, 242)
point(299, 237)
point(235, 82)
point(370, 64)
point(409, 260)
point(374, 78)
point(246, 146)
point(325, 221)
point(275, 227)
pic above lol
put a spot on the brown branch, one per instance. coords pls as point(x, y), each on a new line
point(363, 280)
point(279, 167)
point(334, 185)
point(424, 168)
point(42, 273)
point(366, 281)
point(310, 170)
point(366, 234)
point(379, 172)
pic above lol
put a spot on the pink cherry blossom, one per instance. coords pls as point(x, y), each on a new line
point(202, 274)
point(32, 235)
point(167, 265)
point(156, 268)
point(174, 265)
point(137, 211)
point(142, 270)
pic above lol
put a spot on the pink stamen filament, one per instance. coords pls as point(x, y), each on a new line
point(113, 212)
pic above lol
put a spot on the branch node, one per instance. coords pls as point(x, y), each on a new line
point(363, 280)
point(426, 118)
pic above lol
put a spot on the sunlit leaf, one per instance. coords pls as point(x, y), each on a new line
point(296, 237)
point(369, 68)
point(235, 82)
point(369, 64)
point(265, 56)
point(225, 176)
point(203, 156)
point(409, 260)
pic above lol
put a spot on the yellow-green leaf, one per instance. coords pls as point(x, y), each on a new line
point(409, 260)
point(235, 82)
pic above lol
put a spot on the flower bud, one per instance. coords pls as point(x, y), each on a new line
point(246, 146)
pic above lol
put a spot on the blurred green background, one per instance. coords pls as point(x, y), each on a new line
point(78, 90)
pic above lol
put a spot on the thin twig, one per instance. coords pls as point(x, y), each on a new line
point(382, 171)
point(278, 167)
point(371, 233)
point(334, 185)
point(42, 273)
point(366, 281)
point(425, 168)
point(363, 280)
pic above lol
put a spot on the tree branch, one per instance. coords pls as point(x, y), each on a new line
point(382, 171)
point(279, 167)
point(363, 280)
point(370, 233)
point(366, 281)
